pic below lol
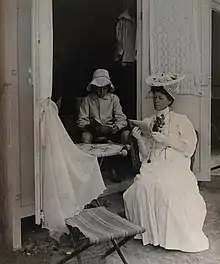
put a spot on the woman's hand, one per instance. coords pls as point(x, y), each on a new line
point(161, 138)
point(136, 132)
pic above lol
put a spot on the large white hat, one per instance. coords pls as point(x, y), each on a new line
point(101, 78)
point(170, 82)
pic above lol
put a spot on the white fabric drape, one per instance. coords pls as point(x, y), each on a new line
point(174, 41)
point(70, 179)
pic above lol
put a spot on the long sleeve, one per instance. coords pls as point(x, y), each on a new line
point(83, 118)
point(119, 38)
point(187, 140)
point(143, 149)
point(120, 118)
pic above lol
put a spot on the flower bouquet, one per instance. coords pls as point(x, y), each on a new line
point(158, 123)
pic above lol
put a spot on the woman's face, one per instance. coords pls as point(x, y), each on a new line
point(160, 101)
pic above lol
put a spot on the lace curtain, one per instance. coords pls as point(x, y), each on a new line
point(174, 41)
point(69, 178)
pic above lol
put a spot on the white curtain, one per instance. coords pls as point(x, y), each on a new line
point(70, 179)
point(174, 41)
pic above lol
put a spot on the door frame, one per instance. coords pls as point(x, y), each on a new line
point(143, 55)
point(206, 36)
point(10, 174)
point(215, 6)
point(139, 58)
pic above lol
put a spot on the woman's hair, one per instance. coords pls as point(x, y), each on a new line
point(161, 89)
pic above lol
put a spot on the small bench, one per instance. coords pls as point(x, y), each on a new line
point(99, 225)
point(104, 150)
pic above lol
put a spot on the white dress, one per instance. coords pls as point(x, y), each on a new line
point(164, 197)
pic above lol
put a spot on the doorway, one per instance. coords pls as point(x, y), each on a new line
point(215, 89)
point(84, 40)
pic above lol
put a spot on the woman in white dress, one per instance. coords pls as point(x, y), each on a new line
point(164, 197)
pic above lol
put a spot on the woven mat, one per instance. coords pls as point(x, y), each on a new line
point(101, 150)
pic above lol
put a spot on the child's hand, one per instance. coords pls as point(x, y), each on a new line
point(104, 130)
point(114, 129)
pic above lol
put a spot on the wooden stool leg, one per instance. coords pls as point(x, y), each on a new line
point(97, 202)
point(115, 244)
point(113, 249)
point(74, 239)
point(73, 254)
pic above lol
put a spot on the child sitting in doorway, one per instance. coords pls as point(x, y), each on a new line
point(101, 118)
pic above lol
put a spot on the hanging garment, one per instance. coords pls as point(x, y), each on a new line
point(125, 39)
point(164, 197)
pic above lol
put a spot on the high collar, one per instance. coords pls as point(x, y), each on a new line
point(164, 112)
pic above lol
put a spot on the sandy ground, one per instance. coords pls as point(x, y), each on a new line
point(39, 248)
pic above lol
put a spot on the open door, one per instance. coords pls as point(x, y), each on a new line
point(204, 163)
point(10, 191)
point(139, 44)
point(196, 107)
point(36, 102)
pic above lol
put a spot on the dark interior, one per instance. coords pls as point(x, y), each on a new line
point(84, 40)
point(215, 80)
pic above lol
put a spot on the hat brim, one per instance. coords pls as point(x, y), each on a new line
point(152, 81)
point(167, 89)
point(100, 82)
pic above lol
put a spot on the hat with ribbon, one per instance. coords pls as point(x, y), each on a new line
point(101, 78)
point(169, 82)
